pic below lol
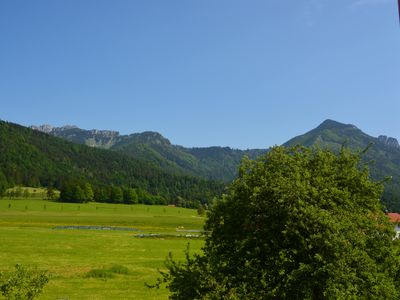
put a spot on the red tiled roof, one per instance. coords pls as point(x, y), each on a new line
point(394, 217)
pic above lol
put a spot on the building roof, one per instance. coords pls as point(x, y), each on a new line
point(394, 217)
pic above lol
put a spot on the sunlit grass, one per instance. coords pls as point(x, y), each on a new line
point(27, 237)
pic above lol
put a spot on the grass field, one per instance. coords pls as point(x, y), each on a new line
point(31, 192)
point(28, 237)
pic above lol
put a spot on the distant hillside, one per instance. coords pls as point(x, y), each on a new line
point(32, 158)
point(221, 163)
point(217, 163)
point(383, 154)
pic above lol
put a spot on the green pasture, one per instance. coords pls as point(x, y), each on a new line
point(72, 256)
point(29, 192)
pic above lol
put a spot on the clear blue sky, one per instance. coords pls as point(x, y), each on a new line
point(245, 74)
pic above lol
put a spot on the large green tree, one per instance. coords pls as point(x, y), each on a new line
point(88, 191)
point(295, 224)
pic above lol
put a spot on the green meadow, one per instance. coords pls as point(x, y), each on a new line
point(92, 263)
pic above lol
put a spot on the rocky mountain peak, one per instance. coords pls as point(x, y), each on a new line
point(389, 141)
point(46, 128)
point(104, 133)
point(152, 137)
point(331, 124)
point(68, 127)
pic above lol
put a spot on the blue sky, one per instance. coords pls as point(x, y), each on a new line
point(245, 74)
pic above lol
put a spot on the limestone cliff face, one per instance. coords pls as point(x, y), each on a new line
point(95, 138)
point(389, 141)
point(46, 128)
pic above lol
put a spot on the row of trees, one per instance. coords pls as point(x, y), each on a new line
point(82, 192)
point(79, 192)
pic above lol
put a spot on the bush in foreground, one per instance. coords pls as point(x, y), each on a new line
point(296, 224)
point(23, 283)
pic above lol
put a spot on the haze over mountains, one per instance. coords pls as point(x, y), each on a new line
point(220, 163)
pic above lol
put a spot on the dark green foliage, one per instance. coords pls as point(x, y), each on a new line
point(78, 194)
point(2, 190)
point(23, 283)
point(117, 195)
point(101, 194)
point(118, 269)
point(107, 273)
point(296, 224)
point(130, 196)
point(32, 158)
point(67, 194)
point(219, 163)
point(74, 192)
point(201, 210)
point(50, 194)
point(88, 192)
point(99, 273)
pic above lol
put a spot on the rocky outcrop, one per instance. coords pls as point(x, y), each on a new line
point(389, 141)
point(94, 138)
point(104, 133)
point(46, 128)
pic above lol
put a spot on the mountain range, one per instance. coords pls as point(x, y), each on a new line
point(216, 163)
point(33, 158)
point(150, 163)
point(220, 163)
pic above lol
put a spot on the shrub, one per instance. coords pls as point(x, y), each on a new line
point(99, 273)
point(118, 269)
point(23, 283)
point(107, 273)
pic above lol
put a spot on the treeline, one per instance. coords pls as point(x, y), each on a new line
point(32, 158)
point(84, 192)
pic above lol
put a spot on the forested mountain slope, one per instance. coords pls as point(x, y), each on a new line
point(33, 158)
point(221, 163)
point(217, 163)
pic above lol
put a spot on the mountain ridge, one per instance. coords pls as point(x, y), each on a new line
point(63, 131)
point(216, 163)
point(33, 158)
point(221, 163)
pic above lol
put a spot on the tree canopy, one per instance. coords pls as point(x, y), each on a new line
point(296, 224)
